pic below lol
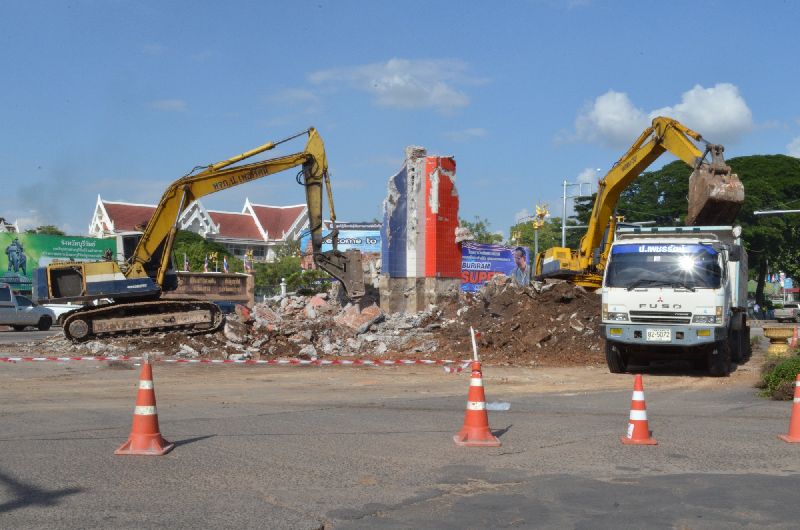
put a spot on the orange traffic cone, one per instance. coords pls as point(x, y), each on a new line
point(638, 430)
point(793, 436)
point(475, 432)
point(145, 438)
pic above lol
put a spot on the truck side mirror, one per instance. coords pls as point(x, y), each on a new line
point(735, 253)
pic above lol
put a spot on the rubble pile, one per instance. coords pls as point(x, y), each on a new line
point(553, 325)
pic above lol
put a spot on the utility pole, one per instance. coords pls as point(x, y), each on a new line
point(564, 217)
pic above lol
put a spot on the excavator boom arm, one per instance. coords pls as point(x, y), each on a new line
point(160, 231)
point(664, 135)
point(719, 195)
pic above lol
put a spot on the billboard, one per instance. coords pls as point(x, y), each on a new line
point(365, 237)
point(22, 253)
point(479, 262)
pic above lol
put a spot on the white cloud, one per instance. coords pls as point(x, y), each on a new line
point(611, 120)
point(465, 135)
point(719, 113)
point(522, 214)
point(405, 83)
point(793, 149)
point(169, 105)
point(590, 175)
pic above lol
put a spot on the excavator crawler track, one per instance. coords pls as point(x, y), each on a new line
point(143, 318)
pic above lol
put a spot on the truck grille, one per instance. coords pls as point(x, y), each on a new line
point(661, 317)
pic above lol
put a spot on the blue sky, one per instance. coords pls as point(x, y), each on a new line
point(120, 98)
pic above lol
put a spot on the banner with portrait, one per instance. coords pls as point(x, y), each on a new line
point(480, 262)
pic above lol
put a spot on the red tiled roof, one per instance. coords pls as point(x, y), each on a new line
point(236, 225)
point(276, 220)
point(127, 216)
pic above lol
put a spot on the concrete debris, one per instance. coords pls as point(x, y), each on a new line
point(235, 331)
point(463, 234)
point(357, 319)
point(307, 351)
point(243, 313)
point(555, 324)
point(188, 351)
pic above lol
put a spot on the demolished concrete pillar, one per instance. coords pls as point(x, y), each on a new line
point(421, 260)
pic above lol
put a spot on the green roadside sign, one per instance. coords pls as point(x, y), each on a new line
point(20, 254)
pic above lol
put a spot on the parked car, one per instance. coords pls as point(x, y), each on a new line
point(789, 312)
point(61, 310)
point(19, 311)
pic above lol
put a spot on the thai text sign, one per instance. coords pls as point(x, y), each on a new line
point(22, 253)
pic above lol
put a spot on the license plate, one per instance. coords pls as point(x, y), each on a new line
point(658, 335)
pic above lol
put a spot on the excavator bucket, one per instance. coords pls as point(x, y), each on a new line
point(715, 193)
point(346, 267)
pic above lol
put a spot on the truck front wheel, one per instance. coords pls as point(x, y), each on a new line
point(616, 359)
point(44, 323)
point(719, 360)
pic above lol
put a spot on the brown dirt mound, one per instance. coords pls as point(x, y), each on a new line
point(555, 326)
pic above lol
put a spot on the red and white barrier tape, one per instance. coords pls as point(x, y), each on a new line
point(283, 362)
point(457, 369)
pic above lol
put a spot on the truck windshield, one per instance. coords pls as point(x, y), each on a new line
point(648, 265)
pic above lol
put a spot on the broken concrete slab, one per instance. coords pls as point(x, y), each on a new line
point(359, 320)
point(235, 331)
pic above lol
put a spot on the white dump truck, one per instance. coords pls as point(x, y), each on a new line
point(676, 293)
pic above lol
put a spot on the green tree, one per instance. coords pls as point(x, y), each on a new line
point(196, 248)
point(51, 230)
point(770, 182)
point(289, 248)
point(480, 228)
point(269, 275)
point(523, 234)
point(266, 276)
point(308, 282)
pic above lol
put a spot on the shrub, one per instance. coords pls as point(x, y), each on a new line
point(309, 282)
point(778, 380)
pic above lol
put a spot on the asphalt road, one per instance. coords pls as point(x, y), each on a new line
point(268, 447)
point(9, 336)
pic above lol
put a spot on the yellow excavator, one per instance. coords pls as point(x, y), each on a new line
point(136, 286)
point(715, 197)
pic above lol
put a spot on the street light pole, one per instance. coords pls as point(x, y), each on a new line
point(564, 217)
point(564, 205)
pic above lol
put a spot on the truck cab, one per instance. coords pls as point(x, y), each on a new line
point(789, 312)
point(675, 293)
point(19, 311)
